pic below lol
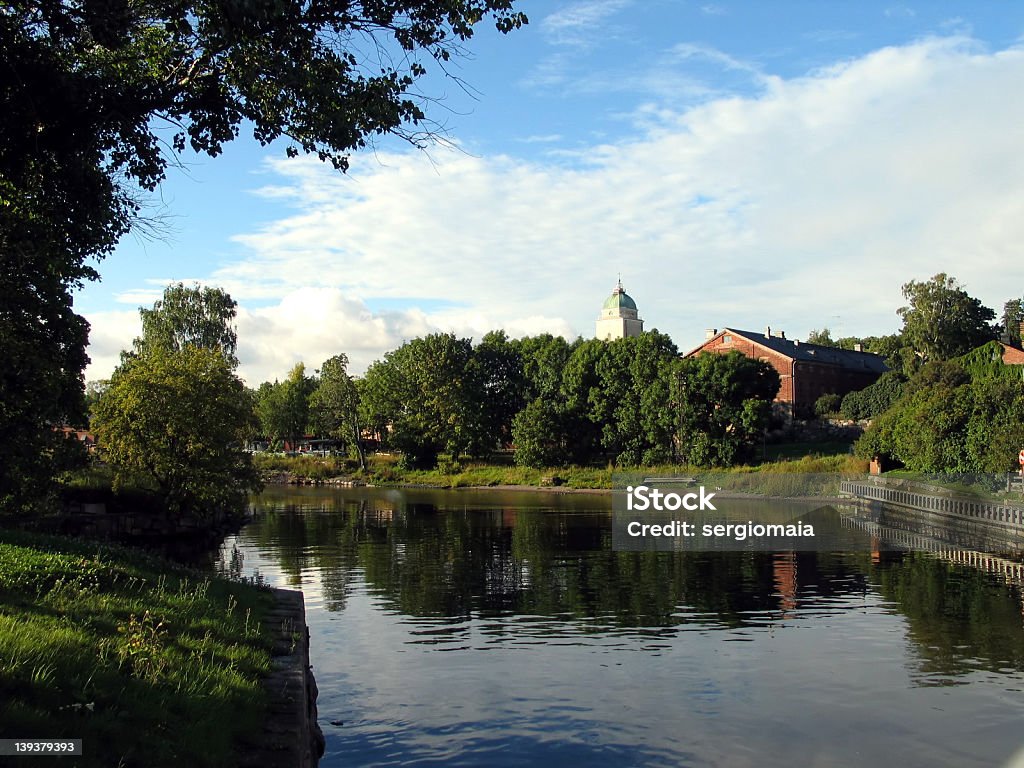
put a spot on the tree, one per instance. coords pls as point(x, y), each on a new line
point(498, 365)
point(428, 393)
point(822, 338)
point(178, 418)
point(827, 404)
point(725, 406)
point(41, 381)
point(1013, 316)
point(283, 407)
point(542, 435)
point(89, 89)
point(334, 405)
point(200, 317)
point(950, 421)
point(942, 320)
point(544, 360)
point(874, 399)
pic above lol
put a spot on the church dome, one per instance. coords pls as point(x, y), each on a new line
point(619, 299)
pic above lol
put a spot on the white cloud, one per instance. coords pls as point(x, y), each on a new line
point(900, 12)
point(546, 138)
point(139, 297)
point(109, 334)
point(312, 324)
point(816, 198)
point(576, 24)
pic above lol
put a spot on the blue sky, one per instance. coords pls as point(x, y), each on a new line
point(743, 164)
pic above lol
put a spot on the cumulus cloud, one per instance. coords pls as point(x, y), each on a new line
point(813, 200)
point(311, 324)
point(109, 334)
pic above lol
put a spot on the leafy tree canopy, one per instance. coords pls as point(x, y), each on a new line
point(200, 317)
point(100, 97)
point(941, 320)
point(1013, 316)
point(875, 398)
point(429, 394)
point(334, 405)
point(283, 407)
point(822, 337)
point(178, 418)
point(725, 406)
point(947, 421)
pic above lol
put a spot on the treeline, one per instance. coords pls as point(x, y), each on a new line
point(555, 402)
point(175, 418)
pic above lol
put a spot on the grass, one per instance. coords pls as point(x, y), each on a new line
point(782, 451)
point(313, 467)
point(809, 475)
point(148, 663)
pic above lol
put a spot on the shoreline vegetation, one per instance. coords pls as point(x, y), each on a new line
point(787, 474)
point(148, 662)
point(812, 474)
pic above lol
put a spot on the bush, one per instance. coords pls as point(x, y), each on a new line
point(827, 404)
point(944, 424)
point(874, 399)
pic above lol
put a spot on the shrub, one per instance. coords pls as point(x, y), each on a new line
point(827, 404)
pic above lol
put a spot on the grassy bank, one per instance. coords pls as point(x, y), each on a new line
point(149, 664)
point(385, 470)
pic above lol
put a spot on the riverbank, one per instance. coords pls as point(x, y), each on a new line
point(788, 477)
point(146, 662)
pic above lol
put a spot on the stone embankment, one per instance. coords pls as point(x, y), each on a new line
point(936, 499)
point(291, 736)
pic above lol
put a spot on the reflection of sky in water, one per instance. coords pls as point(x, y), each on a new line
point(829, 667)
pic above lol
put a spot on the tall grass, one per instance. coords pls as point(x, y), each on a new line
point(760, 478)
point(147, 663)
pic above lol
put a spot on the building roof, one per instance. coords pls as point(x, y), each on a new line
point(619, 299)
point(815, 353)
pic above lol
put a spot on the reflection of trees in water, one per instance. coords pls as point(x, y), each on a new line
point(529, 562)
point(523, 562)
point(957, 616)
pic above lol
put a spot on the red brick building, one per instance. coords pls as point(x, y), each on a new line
point(807, 371)
point(1012, 355)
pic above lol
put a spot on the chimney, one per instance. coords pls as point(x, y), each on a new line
point(710, 333)
point(858, 347)
point(768, 332)
point(782, 334)
point(796, 342)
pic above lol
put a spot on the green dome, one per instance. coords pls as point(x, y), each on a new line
point(619, 300)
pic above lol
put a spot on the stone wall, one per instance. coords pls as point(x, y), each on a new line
point(936, 499)
point(291, 736)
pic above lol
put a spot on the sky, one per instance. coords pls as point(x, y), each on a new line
point(741, 164)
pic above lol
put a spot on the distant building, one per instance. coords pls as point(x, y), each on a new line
point(1012, 355)
point(83, 436)
point(619, 318)
point(807, 371)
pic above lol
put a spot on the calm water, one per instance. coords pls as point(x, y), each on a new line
point(495, 628)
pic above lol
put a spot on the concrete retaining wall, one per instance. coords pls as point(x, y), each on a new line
point(291, 736)
point(935, 499)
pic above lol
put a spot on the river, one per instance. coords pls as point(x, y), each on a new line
point(499, 628)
